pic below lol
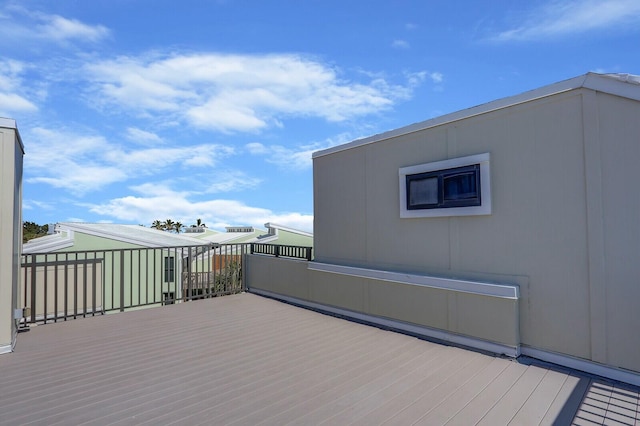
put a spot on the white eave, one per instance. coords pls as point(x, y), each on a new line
point(285, 228)
point(624, 85)
point(48, 243)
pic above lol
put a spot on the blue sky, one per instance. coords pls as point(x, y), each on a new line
point(136, 110)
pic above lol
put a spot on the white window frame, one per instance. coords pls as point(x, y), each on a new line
point(485, 187)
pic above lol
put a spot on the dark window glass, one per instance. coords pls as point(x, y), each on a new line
point(460, 186)
point(456, 187)
point(169, 269)
point(423, 191)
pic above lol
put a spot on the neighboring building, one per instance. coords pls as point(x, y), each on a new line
point(158, 266)
point(110, 265)
point(512, 226)
point(273, 234)
point(11, 153)
point(284, 235)
point(232, 234)
point(78, 236)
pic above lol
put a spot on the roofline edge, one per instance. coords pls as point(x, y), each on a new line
point(594, 81)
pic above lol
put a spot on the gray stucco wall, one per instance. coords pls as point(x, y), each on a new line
point(565, 216)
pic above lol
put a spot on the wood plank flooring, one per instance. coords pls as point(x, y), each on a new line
point(248, 360)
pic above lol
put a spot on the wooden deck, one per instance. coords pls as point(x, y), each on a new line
point(245, 359)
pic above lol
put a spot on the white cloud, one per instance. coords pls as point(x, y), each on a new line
point(560, 18)
point(143, 137)
point(11, 102)
point(32, 28)
point(256, 148)
point(224, 115)
point(291, 158)
point(236, 93)
point(161, 202)
point(80, 179)
point(231, 181)
point(82, 163)
point(69, 161)
point(296, 158)
point(205, 155)
point(436, 77)
point(151, 159)
point(34, 204)
point(60, 28)
point(400, 44)
point(13, 96)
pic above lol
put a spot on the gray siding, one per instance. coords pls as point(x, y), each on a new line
point(564, 216)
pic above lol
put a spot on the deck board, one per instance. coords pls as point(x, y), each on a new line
point(246, 359)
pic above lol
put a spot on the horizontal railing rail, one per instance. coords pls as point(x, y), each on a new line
point(296, 252)
point(67, 285)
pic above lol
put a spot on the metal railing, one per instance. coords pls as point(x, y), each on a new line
point(296, 252)
point(61, 286)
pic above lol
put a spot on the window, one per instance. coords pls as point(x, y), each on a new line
point(456, 187)
point(169, 269)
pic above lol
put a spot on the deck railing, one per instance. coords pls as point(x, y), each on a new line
point(296, 252)
point(61, 286)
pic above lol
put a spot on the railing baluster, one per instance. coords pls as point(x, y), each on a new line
point(122, 281)
point(279, 250)
point(55, 289)
point(33, 289)
point(78, 292)
point(66, 286)
point(139, 277)
point(84, 284)
point(155, 269)
point(131, 278)
point(46, 285)
point(75, 289)
point(94, 277)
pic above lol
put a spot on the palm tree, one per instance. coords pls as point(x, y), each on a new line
point(177, 226)
point(168, 225)
point(199, 224)
point(157, 225)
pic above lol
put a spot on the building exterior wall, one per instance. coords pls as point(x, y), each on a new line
point(11, 153)
point(564, 216)
point(615, 300)
point(471, 319)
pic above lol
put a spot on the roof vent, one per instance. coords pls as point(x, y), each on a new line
point(239, 228)
point(194, 230)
